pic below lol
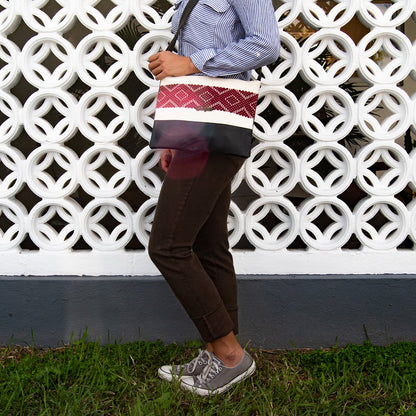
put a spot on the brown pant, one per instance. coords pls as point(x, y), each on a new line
point(189, 239)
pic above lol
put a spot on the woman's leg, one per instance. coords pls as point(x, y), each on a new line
point(189, 195)
point(212, 249)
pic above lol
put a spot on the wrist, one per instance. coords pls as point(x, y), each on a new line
point(192, 68)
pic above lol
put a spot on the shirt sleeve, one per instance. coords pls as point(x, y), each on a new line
point(259, 47)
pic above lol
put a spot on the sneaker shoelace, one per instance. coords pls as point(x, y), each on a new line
point(210, 370)
point(199, 359)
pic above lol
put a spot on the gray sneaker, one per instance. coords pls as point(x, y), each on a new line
point(217, 378)
point(193, 368)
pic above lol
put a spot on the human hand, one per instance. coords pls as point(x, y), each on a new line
point(168, 64)
point(166, 157)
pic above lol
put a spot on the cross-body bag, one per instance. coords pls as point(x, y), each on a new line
point(201, 113)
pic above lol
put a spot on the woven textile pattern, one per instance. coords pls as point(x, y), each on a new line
point(208, 98)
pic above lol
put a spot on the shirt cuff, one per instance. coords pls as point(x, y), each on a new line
point(201, 57)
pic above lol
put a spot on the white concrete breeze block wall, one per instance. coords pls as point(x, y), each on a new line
point(78, 184)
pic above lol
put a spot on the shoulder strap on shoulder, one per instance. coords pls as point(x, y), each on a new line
point(186, 12)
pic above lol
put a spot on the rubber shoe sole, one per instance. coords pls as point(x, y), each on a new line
point(165, 373)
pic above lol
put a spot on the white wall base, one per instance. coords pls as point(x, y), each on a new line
point(133, 263)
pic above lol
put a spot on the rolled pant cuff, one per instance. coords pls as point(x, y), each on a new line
point(214, 325)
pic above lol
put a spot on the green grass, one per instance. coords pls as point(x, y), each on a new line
point(85, 378)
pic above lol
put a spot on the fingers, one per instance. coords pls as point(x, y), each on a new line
point(155, 65)
point(155, 70)
point(153, 57)
point(154, 62)
point(164, 164)
point(166, 158)
point(160, 63)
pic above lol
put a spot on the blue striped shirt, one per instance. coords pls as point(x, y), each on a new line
point(228, 38)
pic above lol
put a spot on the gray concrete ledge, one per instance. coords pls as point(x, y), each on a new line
point(275, 311)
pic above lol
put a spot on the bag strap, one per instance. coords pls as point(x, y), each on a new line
point(186, 12)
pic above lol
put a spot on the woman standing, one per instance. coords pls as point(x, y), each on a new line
point(189, 237)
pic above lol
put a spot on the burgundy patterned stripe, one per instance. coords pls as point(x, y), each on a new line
point(207, 98)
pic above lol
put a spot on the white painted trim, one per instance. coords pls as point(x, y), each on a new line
point(122, 263)
point(229, 83)
point(214, 116)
